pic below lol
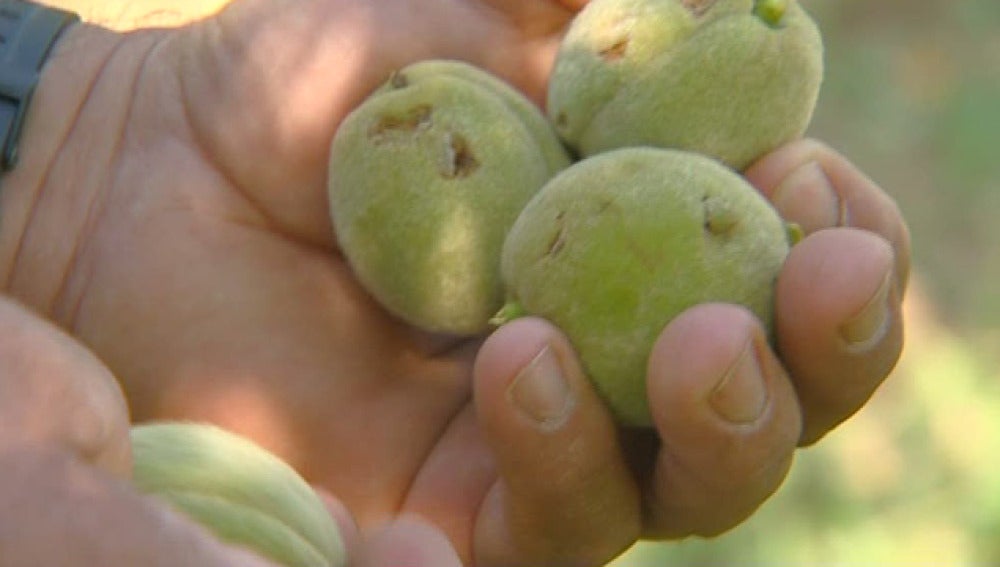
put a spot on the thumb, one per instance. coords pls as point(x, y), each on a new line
point(54, 392)
point(566, 495)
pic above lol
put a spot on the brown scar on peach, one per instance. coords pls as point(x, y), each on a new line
point(398, 80)
point(616, 51)
point(459, 160)
point(698, 7)
point(719, 221)
point(557, 243)
point(415, 118)
point(558, 240)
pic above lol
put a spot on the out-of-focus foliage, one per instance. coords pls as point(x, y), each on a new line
point(912, 96)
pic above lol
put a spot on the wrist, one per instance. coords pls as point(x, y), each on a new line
point(47, 199)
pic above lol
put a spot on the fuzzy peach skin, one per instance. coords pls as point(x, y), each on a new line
point(717, 77)
point(426, 177)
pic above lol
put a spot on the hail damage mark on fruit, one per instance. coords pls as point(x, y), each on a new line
point(558, 240)
point(399, 80)
point(562, 120)
point(412, 120)
point(616, 51)
point(557, 243)
point(638, 251)
point(720, 219)
point(698, 7)
point(459, 161)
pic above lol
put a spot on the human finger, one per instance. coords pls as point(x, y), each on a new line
point(54, 391)
point(727, 419)
point(565, 495)
point(816, 187)
point(839, 323)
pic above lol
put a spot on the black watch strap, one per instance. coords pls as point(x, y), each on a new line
point(27, 33)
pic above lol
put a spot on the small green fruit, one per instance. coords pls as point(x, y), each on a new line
point(242, 493)
point(731, 79)
point(426, 176)
point(617, 245)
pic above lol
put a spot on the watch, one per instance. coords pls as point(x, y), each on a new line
point(27, 33)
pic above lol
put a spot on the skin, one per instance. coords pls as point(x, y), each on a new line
point(169, 215)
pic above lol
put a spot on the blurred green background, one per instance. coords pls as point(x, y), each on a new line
point(912, 95)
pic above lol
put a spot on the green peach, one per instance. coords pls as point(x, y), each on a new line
point(426, 176)
point(239, 491)
point(732, 79)
point(617, 245)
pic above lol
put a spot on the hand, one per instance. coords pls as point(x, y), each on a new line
point(729, 411)
point(64, 427)
point(173, 216)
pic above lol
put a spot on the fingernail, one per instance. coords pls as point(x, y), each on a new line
point(540, 390)
point(807, 197)
point(741, 395)
point(867, 328)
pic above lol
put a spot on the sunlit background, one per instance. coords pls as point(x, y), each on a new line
point(912, 95)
